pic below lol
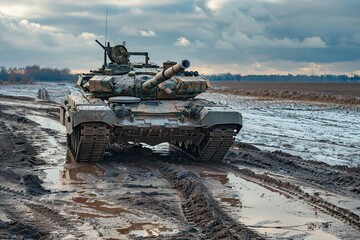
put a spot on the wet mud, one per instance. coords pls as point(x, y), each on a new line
point(157, 194)
point(201, 211)
point(339, 179)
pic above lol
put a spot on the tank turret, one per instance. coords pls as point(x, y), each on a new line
point(164, 75)
point(130, 102)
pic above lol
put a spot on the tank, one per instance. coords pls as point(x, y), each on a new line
point(127, 102)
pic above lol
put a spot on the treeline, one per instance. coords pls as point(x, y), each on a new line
point(33, 73)
point(283, 78)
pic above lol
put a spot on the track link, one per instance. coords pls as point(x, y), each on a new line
point(214, 146)
point(89, 141)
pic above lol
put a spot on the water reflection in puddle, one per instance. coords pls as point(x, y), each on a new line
point(222, 178)
point(99, 206)
point(72, 171)
point(145, 230)
point(232, 201)
point(47, 122)
point(275, 215)
point(53, 176)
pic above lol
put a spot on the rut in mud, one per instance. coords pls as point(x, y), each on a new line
point(159, 195)
point(22, 213)
point(340, 179)
point(292, 190)
point(201, 210)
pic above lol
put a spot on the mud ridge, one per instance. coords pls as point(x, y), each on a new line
point(149, 201)
point(23, 186)
point(23, 98)
point(293, 190)
point(339, 179)
point(18, 118)
point(49, 215)
point(15, 149)
point(200, 209)
point(21, 226)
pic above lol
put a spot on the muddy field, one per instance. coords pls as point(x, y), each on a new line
point(332, 92)
point(260, 191)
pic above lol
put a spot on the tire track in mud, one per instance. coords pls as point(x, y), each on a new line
point(295, 191)
point(30, 220)
point(339, 179)
point(202, 212)
point(23, 187)
point(24, 212)
point(21, 225)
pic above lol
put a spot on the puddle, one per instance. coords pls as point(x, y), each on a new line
point(4, 217)
point(233, 202)
point(100, 206)
point(146, 230)
point(223, 178)
point(270, 124)
point(71, 171)
point(53, 175)
point(164, 150)
point(56, 90)
point(90, 215)
point(47, 123)
point(49, 148)
point(275, 215)
point(49, 145)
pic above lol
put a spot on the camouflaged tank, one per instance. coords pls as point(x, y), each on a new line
point(125, 102)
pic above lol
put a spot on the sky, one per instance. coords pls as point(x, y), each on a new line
point(217, 36)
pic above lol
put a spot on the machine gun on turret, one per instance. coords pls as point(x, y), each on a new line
point(119, 57)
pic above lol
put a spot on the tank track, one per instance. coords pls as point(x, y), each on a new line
point(213, 147)
point(88, 141)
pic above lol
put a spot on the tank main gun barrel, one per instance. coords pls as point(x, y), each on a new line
point(165, 75)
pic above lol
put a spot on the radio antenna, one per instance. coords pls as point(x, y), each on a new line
point(106, 25)
point(106, 47)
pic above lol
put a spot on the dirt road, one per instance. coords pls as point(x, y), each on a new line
point(159, 194)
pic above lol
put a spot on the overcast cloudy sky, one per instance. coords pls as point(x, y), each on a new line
point(217, 36)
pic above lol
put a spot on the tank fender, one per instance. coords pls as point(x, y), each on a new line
point(214, 116)
point(86, 114)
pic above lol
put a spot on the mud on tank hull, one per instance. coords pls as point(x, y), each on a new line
point(202, 130)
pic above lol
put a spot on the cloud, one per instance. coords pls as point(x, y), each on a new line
point(33, 43)
point(199, 44)
point(313, 42)
point(263, 35)
point(35, 27)
point(352, 41)
point(131, 31)
point(220, 44)
point(242, 40)
point(182, 42)
point(18, 9)
point(136, 11)
point(149, 33)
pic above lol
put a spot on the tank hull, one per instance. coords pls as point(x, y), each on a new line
point(198, 128)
